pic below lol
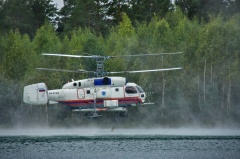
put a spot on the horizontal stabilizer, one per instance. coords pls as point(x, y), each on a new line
point(52, 102)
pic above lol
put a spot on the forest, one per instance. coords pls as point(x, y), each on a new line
point(206, 92)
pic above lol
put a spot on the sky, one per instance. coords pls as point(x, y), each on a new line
point(59, 3)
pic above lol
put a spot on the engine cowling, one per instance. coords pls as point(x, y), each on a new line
point(35, 94)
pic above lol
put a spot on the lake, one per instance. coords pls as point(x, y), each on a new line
point(42, 143)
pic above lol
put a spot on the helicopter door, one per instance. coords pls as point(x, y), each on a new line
point(80, 94)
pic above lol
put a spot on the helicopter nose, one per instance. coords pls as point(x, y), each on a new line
point(142, 96)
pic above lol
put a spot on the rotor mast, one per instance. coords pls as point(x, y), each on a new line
point(100, 66)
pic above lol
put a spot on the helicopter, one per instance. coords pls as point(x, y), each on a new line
point(102, 92)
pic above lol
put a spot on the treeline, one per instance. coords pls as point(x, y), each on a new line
point(205, 92)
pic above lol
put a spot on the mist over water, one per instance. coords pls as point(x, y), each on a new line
point(46, 131)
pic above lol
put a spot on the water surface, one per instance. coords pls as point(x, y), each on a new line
point(134, 143)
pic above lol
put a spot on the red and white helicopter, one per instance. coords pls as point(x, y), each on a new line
point(101, 93)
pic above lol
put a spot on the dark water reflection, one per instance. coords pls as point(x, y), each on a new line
point(120, 146)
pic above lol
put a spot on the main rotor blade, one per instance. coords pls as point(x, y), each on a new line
point(155, 70)
point(140, 71)
point(157, 54)
point(107, 57)
point(61, 70)
point(117, 72)
point(65, 55)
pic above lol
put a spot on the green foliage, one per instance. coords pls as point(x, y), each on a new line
point(17, 15)
point(161, 36)
point(100, 15)
point(202, 8)
point(26, 15)
point(17, 52)
point(82, 42)
point(144, 10)
point(82, 13)
point(121, 41)
point(121, 37)
point(47, 41)
point(207, 88)
point(125, 28)
point(43, 11)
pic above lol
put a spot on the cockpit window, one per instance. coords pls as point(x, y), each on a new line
point(140, 90)
point(130, 90)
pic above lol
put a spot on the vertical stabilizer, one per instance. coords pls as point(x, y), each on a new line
point(35, 94)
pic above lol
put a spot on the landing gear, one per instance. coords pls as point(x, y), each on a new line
point(92, 115)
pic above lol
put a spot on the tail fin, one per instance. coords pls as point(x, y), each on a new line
point(35, 94)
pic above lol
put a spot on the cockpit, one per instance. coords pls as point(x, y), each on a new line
point(133, 89)
point(130, 90)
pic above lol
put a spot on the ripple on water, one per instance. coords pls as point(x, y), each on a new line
point(120, 146)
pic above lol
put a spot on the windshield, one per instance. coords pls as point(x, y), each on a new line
point(140, 90)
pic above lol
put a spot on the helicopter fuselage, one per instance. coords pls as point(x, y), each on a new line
point(102, 93)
